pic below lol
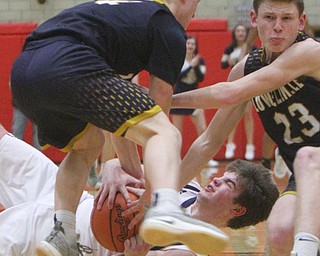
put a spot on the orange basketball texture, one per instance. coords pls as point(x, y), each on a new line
point(110, 228)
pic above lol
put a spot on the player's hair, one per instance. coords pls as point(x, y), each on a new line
point(298, 3)
point(258, 193)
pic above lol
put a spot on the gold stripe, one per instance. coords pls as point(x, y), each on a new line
point(159, 1)
point(124, 127)
point(294, 193)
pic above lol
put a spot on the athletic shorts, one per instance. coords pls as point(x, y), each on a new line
point(58, 87)
point(291, 187)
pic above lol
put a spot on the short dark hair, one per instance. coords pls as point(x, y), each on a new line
point(298, 3)
point(258, 194)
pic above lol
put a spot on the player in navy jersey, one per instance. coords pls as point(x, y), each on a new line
point(73, 81)
point(282, 79)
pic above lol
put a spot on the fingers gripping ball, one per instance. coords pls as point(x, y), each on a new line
point(110, 228)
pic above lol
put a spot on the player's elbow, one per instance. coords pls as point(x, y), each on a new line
point(228, 96)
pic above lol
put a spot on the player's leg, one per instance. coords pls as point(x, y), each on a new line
point(280, 226)
point(164, 222)
point(307, 222)
point(70, 182)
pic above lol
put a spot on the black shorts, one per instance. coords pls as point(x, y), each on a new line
point(64, 105)
point(291, 187)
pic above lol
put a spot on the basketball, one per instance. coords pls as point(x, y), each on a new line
point(110, 228)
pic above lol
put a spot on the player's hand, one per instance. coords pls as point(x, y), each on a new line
point(114, 180)
point(135, 246)
point(138, 207)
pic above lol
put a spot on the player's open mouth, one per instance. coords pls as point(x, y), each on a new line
point(209, 188)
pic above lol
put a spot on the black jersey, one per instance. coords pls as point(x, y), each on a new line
point(129, 35)
point(290, 114)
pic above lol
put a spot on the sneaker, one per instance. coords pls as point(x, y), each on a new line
point(56, 244)
point(280, 168)
point(212, 163)
point(230, 148)
point(200, 237)
point(249, 152)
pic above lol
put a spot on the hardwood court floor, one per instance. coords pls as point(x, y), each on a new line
point(246, 241)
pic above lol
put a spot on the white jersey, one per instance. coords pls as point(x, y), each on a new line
point(27, 181)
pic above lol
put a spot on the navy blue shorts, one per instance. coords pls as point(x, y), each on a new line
point(63, 87)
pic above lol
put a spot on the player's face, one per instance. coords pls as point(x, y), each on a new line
point(186, 11)
point(278, 24)
point(217, 197)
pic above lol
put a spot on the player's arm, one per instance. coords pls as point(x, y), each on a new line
point(128, 155)
point(296, 61)
point(209, 142)
point(161, 92)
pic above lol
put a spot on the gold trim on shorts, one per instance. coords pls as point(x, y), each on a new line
point(294, 193)
point(146, 114)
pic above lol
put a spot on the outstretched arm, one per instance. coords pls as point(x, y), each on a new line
point(296, 61)
point(209, 142)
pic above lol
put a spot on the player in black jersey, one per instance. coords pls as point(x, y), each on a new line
point(283, 81)
point(73, 81)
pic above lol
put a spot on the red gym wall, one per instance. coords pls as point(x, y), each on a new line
point(213, 36)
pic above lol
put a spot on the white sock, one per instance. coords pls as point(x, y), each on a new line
point(166, 199)
point(68, 220)
point(305, 244)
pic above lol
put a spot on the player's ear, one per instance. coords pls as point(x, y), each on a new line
point(253, 18)
point(302, 21)
point(239, 210)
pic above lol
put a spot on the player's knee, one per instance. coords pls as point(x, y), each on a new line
point(90, 144)
point(279, 237)
point(171, 132)
point(307, 158)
